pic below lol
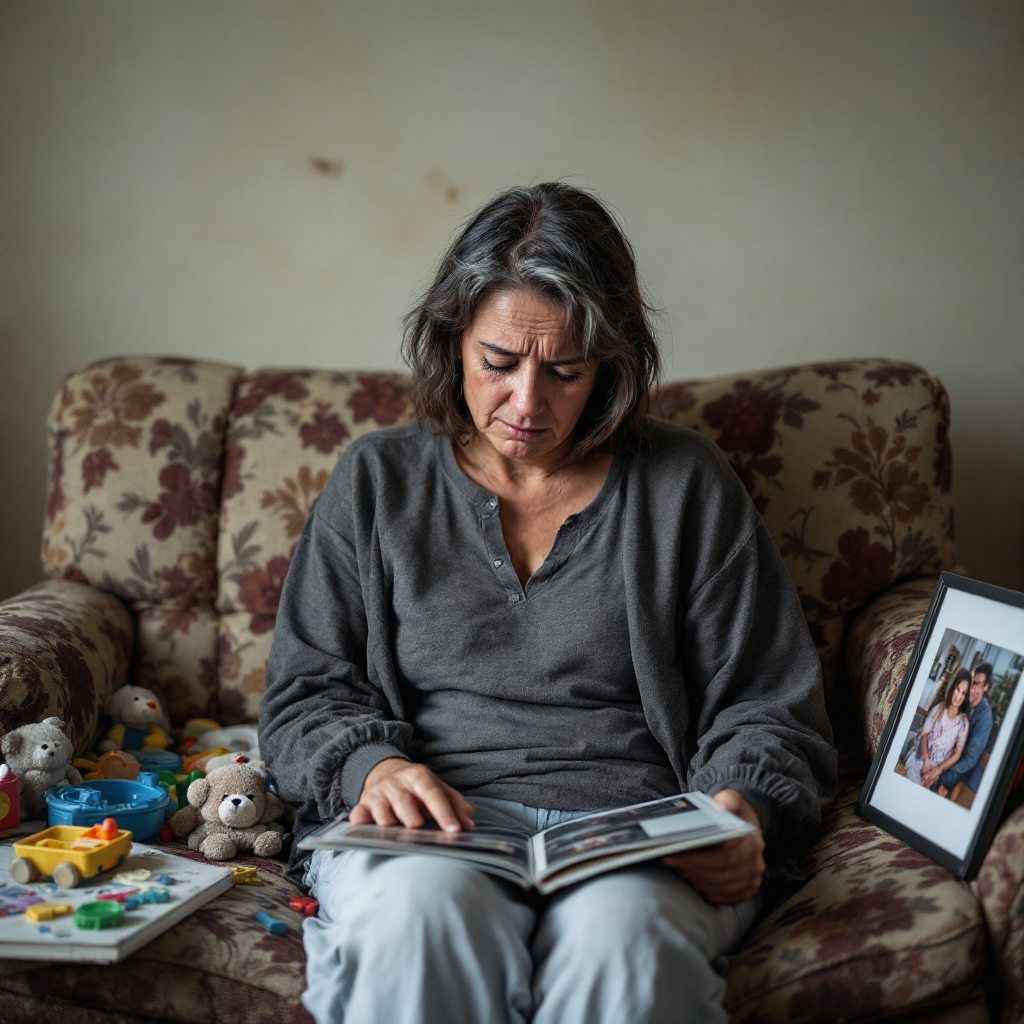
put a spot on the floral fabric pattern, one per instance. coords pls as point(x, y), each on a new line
point(216, 965)
point(64, 648)
point(136, 451)
point(849, 465)
point(878, 651)
point(176, 657)
point(242, 653)
point(1000, 887)
point(288, 429)
point(158, 464)
point(878, 928)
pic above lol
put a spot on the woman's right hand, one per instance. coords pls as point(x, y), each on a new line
point(400, 792)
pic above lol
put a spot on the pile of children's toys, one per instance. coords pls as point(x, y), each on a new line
point(139, 773)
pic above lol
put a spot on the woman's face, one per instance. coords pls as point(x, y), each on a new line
point(525, 383)
point(959, 694)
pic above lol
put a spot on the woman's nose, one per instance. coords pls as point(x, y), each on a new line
point(526, 397)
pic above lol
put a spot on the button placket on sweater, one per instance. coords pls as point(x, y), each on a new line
point(564, 543)
point(501, 564)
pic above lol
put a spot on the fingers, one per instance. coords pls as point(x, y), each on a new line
point(406, 795)
point(435, 796)
point(727, 873)
point(462, 807)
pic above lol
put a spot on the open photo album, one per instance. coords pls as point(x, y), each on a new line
point(560, 855)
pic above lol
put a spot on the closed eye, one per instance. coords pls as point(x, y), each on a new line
point(567, 378)
point(488, 365)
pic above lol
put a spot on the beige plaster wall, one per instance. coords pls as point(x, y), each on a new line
point(270, 183)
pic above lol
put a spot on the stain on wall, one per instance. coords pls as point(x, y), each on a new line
point(272, 183)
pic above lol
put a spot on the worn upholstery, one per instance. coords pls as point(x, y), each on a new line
point(182, 486)
point(850, 466)
point(64, 647)
point(878, 927)
point(878, 651)
point(288, 429)
point(136, 460)
point(1000, 887)
point(215, 966)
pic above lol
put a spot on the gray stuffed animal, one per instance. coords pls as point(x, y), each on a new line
point(230, 811)
point(41, 755)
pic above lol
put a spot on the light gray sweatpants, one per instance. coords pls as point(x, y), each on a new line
point(427, 940)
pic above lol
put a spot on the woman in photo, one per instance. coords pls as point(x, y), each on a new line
point(535, 602)
point(944, 732)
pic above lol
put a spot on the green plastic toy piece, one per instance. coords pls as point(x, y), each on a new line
point(185, 783)
point(102, 914)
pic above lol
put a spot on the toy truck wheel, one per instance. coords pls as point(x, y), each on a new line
point(23, 870)
point(66, 875)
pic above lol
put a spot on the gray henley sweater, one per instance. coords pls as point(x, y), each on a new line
point(659, 648)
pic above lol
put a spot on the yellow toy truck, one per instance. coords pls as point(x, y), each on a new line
point(69, 853)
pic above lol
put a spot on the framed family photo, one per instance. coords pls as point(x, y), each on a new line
point(953, 741)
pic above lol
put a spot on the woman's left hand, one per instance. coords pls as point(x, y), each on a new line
point(727, 873)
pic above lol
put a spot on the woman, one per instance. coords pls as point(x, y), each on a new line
point(533, 603)
point(944, 732)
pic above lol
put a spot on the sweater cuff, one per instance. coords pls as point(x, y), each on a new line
point(359, 764)
point(762, 805)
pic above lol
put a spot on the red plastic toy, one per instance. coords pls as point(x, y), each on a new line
point(10, 802)
point(304, 905)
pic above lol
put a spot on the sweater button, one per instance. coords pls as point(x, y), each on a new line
point(497, 563)
point(515, 598)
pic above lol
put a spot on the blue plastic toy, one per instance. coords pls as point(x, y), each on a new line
point(149, 896)
point(274, 925)
point(153, 759)
point(137, 804)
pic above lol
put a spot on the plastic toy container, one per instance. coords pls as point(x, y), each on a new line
point(138, 805)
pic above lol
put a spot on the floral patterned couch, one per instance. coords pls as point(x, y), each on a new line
point(177, 490)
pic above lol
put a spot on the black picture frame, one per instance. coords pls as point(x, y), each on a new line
point(967, 865)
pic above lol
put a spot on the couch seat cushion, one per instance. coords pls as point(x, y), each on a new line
point(216, 965)
point(878, 930)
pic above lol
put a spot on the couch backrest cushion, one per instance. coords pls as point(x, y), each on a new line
point(136, 458)
point(288, 429)
point(850, 466)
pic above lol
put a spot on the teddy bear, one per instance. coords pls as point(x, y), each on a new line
point(41, 755)
point(230, 811)
point(139, 720)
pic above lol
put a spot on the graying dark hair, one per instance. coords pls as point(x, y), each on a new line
point(562, 244)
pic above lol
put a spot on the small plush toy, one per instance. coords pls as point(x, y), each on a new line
point(139, 720)
point(230, 811)
point(41, 755)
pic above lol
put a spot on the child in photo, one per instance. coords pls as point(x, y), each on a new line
point(944, 733)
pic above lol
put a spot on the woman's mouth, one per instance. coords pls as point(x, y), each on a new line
point(524, 433)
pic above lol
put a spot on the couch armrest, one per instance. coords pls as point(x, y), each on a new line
point(1000, 888)
point(878, 650)
point(64, 647)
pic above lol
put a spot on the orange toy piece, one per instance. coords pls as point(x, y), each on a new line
point(198, 760)
point(105, 831)
point(115, 764)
